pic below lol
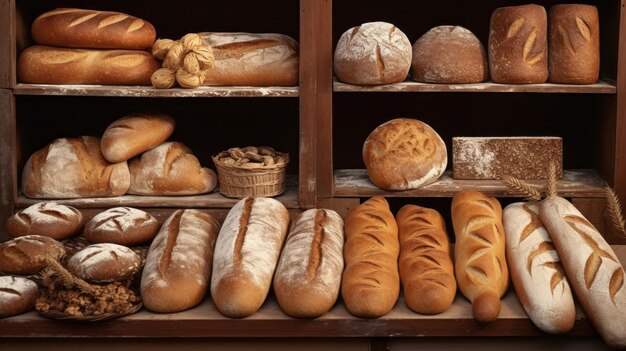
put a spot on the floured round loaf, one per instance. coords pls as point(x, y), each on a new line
point(121, 225)
point(372, 53)
point(27, 254)
point(17, 295)
point(404, 154)
point(45, 218)
point(104, 263)
point(449, 54)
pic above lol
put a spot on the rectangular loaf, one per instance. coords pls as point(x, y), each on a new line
point(493, 157)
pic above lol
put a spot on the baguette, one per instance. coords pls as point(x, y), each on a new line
point(17, 295)
point(27, 255)
point(45, 218)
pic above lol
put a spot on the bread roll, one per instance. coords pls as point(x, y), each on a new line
point(480, 262)
point(308, 275)
point(27, 255)
point(256, 59)
point(372, 53)
point(78, 28)
point(518, 45)
point(574, 44)
point(17, 295)
point(404, 154)
point(449, 54)
point(41, 64)
point(246, 254)
point(536, 269)
point(85, 173)
point(426, 269)
point(178, 266)
point(591, 266)
point(131, 135)
point(45, 218)
point(370, 283)
point(121, 225)
point(104, 263)
point(170, 169)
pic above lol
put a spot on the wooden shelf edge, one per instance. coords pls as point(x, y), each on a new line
point(575, 183)
point(144, 91)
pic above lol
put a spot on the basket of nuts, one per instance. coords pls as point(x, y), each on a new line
point(251, 171)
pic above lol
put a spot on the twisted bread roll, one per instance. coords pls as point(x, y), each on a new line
point(371, 284)
point(184, 61)
point(480, 262)
point(426, 269)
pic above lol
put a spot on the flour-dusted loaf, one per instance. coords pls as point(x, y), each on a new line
point(131, 135)
point(45, 218)
point(104, 263)
point(518, 44)
point(426, 269)
point(17, 295)
point(371, 283)
point(372, 53)
point(73, 168)
point(536, 269)
point(27, 255)
point(449, 54)
point(42, 64)
point(246, 254)
point(574, 44)
point(170, 169)
point(121, 225)
point(479, 255)
point(178, 267)
point(308, 275)
point(592, 268)
point(255, 59)
point(404, 154)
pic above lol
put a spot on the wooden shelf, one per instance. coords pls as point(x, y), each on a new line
point(601, 87)
point(141, 91)
point(575, 183)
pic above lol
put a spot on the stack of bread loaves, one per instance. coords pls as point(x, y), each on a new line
point(88, 47)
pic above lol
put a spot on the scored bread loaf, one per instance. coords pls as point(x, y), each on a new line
point(592, 268)
point(121, 225)
point(27, 254)
point(536, 269)
point(170, 169)
point(17, 295)
point(41, 64)
point(371, 284)
point(104, 263)
point(45, 218)
point(425, 265)
point(518, 44)
point(131, 135)
point(178, 266)
point(480, 262)
point(78, 28)
point(73, 168)
point(246, 254)
point(308, 275)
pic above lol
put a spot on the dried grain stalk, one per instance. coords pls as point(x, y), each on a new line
point(614, 210)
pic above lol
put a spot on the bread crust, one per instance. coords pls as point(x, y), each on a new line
point(45, 218)
point(26, 255)
point(17, 295)
point(121, 225)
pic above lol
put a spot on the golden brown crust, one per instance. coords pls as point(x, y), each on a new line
point(17, 295)
point(26, 255)
point(121, 225)
point(47, 219)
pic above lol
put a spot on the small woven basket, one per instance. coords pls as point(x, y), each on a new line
point(239, 182)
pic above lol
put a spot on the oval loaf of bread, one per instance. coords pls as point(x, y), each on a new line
point(45, 218)
point(17, 295)
point(27, 255)
point(121, 225)
point(104, 263)
point(308, 275)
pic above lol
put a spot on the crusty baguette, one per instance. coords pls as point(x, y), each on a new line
point(308, 275)
point(45, 218)
point(78, 28)
point(104, 263)
point(121, 225)
point(536, 269)
point(371, 284)
point(591, 266)
point(27, 254)
point(480, 262)
point(17, 295)
point(426, 269)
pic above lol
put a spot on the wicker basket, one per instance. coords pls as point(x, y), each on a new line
point(239, 182)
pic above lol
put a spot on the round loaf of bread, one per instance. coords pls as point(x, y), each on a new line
point(17, 295)
point(372, 53)
point(104, 263)
point(403, 154)
point(121, 225)
point(449, 54)
point(45, 218)
point(27, 255)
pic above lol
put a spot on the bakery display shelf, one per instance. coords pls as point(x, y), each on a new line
point(141, 91)
point(575, 183)
point(601, 87)
point(206, 321)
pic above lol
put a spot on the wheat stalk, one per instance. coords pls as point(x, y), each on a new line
point(67, 278)
point(523, 187)
point(614, 209)
point(551, 188)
